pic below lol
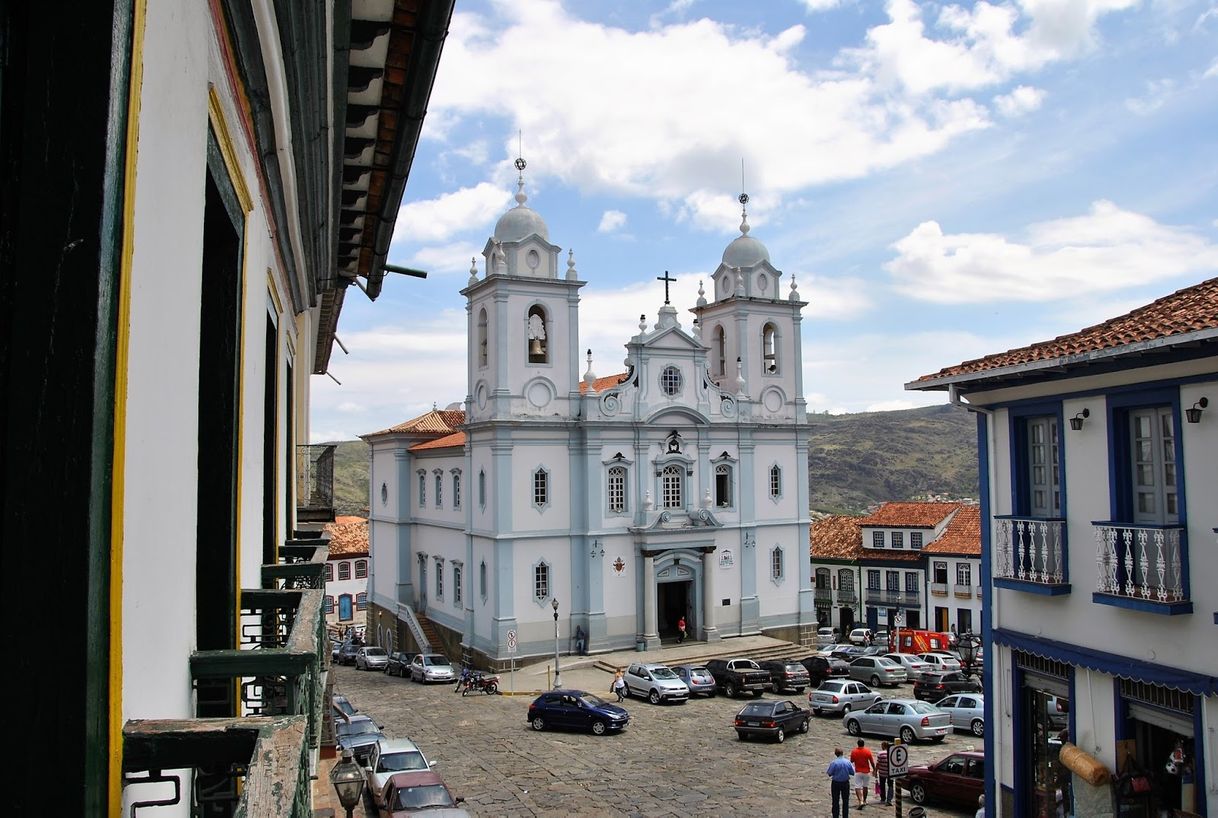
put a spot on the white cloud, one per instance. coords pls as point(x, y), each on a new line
point(441, 218)
point(838, 299)
point(611, 220)
point(1108, 249)
point(892, 405)
point(445, 259)
point(814, 6)
point(1157, 93)
point(1212, 71)
point(1021, 100)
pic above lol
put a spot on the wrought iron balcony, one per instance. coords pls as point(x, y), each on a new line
point(824, 594)
point(1140, 562)
point(893, 599)
point(938, 589)
point(1030, 549)
point(846, 596)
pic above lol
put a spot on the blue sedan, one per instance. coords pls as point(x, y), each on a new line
point(576, 710)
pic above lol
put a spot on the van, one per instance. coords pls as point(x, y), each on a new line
point(860, 636)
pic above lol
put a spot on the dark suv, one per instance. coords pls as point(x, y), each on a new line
point(934, 686)
point(399, 664)
point(786, 674)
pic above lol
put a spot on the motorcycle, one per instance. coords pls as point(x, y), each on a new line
point(478, 682)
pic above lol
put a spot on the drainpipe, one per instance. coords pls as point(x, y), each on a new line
point(993, 749)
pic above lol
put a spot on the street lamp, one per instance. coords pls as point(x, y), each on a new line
point(348, 781)
point(557, 677)
point(967, 645)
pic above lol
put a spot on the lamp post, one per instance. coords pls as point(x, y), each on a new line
point(348, 781)
point(557, 676)
point(967, 645)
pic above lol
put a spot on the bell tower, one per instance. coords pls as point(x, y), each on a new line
point(523, 321)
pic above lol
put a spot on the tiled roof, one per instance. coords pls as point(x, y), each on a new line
point(1192, 309)
point(448, 441)
point(435, 421)
point(601, 384)
point(908, 515)
point(962, 535)
point(836, 537)
point(348, 539)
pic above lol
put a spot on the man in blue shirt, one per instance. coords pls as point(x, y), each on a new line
point(840, 771)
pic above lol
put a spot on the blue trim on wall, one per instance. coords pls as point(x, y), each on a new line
point(1102, 391)
point(1033, 587)
point(1110, 663)
point(1146, 605)
point(987, 642)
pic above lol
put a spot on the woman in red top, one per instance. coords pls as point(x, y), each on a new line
point(681, 630)
point(863, 761)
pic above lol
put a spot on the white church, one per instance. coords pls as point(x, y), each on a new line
point(621, 504)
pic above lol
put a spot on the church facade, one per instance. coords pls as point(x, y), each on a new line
point(621, 504)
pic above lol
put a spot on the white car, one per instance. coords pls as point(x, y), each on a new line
point(940, 662)
point(860, 636)
point(389, 756)
point(913, 664)
point(656, 683)
point(371, 658)
point(967, 711)
point(431, 667)
point(824, 636)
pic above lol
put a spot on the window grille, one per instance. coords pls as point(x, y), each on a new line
point(541, 582)
point(617, 489)
point(672, 485)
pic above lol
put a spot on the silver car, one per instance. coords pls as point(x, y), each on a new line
point(907, 719)
point(940, 662)
point(389, 756)
point(913, 664)
point(841, 696)
point(967, 711)
point(697, 678)
point(371, 658)
point(431, 667)
point(877, 670)
point(656, 683)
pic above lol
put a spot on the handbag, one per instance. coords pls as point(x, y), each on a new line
point(1134, 784)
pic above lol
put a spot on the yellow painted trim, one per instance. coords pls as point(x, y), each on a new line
point(122, 358)
point(274, 291)
point(216, 114)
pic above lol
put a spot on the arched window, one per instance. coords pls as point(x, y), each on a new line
point(344, 570)
point(456, 488)
point(439, 488)
point(822, 579)
point(328, 605)
point(720, 351)
point(422, 488)
point(769, 349)
point(777, 569)
point(482, 488)
point(483, 354)
point(538, 349)
point(457, 584)
point(361, 601)
point(723, 485)
point(361, 569)
point(672, 486)
point(482, 580)
point(541, 488)
point(329, 572)
point(775, 482)
point(617, 489)
point(541, 582)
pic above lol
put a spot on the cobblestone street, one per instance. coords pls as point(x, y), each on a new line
point(676, 760)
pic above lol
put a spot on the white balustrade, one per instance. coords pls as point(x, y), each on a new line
point(1030, 549)
point(1139, 562)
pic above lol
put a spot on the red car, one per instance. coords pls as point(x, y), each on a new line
point(958, 779)
point(420, 792)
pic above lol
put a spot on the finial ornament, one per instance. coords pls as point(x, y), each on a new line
point(643, 323)
point(794, 296)
point(589, 376)
point(743, 198)
point(701, 294)
point(473, 270)
point(739, 282)
point(520, 166)
point(571, 274)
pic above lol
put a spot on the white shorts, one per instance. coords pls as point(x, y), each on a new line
point(862, 781)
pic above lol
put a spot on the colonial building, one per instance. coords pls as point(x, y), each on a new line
point(914, 564)
point(189, 190)
point(616, 505)
point(346, 601)
point(1099, 462)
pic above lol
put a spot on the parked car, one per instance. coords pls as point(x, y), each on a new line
point(848, 653)
point(359, 734)
point(821, 668)
point(913, 664)
point(967, 711)
point(418, 793)
point(907, 719)
point(940, 660)
point(877, 671)
point(958, 779)
point(874, 650)
point(860, 636)
point(697, 678)
point(346, 654)
point(772, 719)
point(934, 686)
point(738, 676)
point(343, 709)
point(656, 683)
point(398, 663)
point(825, 636)
point(841, 696)
point(389, 756)
point(432, 667)
point(786, 674)
point(576, 710)
point(370, 657)
point(335, 647)
point(880, 638)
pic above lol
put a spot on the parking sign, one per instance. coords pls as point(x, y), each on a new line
point(898, 760)
point(511, 641)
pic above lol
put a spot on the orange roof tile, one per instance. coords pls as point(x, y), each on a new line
point(435, 421)
point(836, 537)
point(348, 539)
point(1192, 309)
point(962, 535)
point(601, 384)
point(909, 515)
point(448, 441)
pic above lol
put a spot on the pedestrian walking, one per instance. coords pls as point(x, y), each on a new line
point(619, 685)
point(840, 771)
point(581, 642)
point(680, 630)
point(863, 761)
point(883, 783)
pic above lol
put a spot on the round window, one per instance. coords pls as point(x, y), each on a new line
point(670, 380)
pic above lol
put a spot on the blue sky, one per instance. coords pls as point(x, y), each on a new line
point(944, 181)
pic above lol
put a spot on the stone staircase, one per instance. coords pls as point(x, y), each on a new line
point(429, 630)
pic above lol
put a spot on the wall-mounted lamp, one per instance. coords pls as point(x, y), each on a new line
point(1076, 422)
point(1194, 414)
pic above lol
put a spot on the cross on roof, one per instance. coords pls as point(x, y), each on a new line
point(667, 279)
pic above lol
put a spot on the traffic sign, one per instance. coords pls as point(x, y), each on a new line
point(898, 760)
point(511, 641)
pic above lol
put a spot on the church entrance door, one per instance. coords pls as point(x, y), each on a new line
point(675, 600)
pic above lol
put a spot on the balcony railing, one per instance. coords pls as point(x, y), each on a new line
point(258, 763)
point(1140, 562)
point(846, 596)
point(824, 594)
point(315, 482)
point(938, 588)
point(964, 591)
point(1030, 549)
point(877, 596)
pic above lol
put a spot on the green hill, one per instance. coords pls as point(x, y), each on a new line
point(854, 461)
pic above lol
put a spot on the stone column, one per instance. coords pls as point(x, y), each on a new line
point(651, 634)
point(710, 631)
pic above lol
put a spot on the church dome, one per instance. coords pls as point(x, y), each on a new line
point(745, 251)
point(520, 222)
